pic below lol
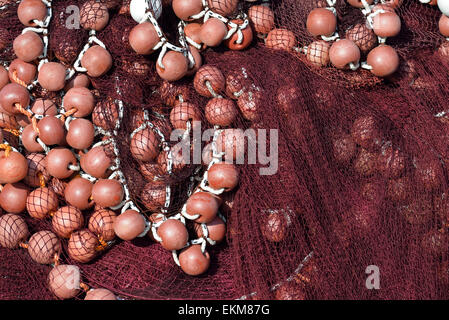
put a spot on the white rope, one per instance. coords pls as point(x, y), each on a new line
point(102, 143)
point(7, 143)
point(441, 114)
point(155, 234)
point(183, 41)
point(129, 205)
point(202, 12)
point(117, 173)
point(77, 64)
point(239, 93)
point(127, 201)
point(332, 9)
point(164, 45)
point(156, 225)
point(140, 128)
point(203, 186)
point(8, 4)
point(165, 146)
point(234, 27)
point(157, 238)
point(205, 231)
point(200, 241)
point(175, 257)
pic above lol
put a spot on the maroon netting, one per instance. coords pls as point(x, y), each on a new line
point(66, 220)
point(9, 30)
point(361, 178)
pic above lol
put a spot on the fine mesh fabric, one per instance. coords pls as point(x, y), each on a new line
point(362, 173)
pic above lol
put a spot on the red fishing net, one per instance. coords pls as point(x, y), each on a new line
point(359, 179)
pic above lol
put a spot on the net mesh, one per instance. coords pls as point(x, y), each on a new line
point(362, 168)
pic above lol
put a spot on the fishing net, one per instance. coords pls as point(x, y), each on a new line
point(359, 179)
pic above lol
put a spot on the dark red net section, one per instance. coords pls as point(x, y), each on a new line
point(362, 175)
point(10, 29)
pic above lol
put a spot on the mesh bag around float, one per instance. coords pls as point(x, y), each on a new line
point(361, 179)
